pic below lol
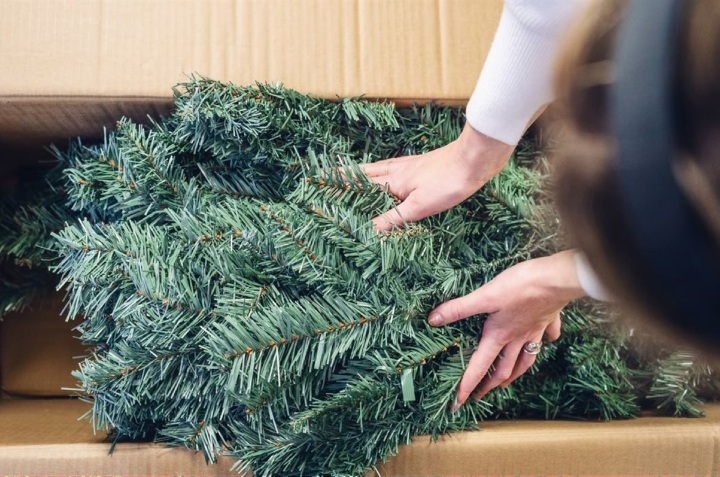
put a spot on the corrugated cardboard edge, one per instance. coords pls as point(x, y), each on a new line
point(93, 459)
point(48, 437)
point(30, 125)
point(28, 122)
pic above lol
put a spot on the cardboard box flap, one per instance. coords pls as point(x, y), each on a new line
point(643, 446)
point(411, 49)
point(406, 50)
point(45, 437)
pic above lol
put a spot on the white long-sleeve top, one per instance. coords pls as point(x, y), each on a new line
point(516, 81)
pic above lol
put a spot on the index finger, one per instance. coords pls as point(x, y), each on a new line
point(478, 366)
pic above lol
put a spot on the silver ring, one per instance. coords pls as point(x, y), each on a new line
point(532, 347)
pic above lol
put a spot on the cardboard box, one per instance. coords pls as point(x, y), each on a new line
point(70, 68)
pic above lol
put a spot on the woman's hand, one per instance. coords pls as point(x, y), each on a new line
point(438, 180)
point(522, 304)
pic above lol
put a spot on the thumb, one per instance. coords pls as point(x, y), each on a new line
point(553, 330)
point(410, 210)
point(458, 309)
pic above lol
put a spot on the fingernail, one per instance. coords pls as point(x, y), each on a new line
point(436, 319)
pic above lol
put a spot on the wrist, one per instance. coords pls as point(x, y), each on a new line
point(562, 280)
point(481, 153)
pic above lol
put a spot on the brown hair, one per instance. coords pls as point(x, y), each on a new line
point(587, 191)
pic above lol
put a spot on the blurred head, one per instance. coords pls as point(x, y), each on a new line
point(587, 189)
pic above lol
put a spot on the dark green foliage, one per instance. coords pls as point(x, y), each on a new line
point(29, 213)
point(238, 299)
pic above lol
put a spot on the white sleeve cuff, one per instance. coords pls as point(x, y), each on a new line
point(516, 81)
point(588, 280)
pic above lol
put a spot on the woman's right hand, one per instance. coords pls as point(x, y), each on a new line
point(438, 180)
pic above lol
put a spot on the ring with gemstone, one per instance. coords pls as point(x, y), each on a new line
point(532, 347)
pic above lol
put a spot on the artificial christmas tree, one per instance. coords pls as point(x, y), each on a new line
point(236, 296)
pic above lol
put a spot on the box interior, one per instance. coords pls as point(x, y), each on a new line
point(73, 68)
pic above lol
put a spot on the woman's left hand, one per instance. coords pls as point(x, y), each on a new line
point(522, 304)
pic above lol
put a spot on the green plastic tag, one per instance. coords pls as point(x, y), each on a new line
point(408, 385)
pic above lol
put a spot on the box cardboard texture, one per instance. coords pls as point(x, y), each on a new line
point(70, 68)
point(38, 349)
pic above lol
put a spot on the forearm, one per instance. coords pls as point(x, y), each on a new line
point(561, 279)
point(515, 82)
